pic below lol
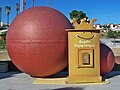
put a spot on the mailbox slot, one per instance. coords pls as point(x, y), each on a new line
point(85, 58)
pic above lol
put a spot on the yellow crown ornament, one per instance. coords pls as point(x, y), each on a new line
point(83, 25)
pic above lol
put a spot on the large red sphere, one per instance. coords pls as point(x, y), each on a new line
point(37, 41)
point(107, 59)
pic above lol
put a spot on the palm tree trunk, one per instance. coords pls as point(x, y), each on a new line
point(7, 19)
point(32, 3)
point(0, 15)
point(16, 13)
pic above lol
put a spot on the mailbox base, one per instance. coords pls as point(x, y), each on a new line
point(84, 79)
point(68, 81)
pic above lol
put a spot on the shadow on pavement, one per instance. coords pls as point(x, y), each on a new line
point(69, 88)
point(12, 70)
point(116, 67)
point(111, 74)
point(115, 72)
point(8, 74)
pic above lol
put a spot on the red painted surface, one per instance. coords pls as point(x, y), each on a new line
point(107, 59)
point(37, 41)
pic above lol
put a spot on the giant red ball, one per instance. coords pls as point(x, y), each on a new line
point(37, 41)
point(107, 59)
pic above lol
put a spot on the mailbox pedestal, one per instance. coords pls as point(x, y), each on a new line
point(84, 56)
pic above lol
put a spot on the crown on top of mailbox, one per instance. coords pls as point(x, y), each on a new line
point(83, 24)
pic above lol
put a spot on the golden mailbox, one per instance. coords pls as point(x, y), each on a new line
point(84, 55)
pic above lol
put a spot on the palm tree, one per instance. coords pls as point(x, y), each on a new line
point(7, 9)
point(0, 15)
point(33, 3)
point(17, 8)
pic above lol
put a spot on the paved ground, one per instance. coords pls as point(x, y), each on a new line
point(22, 81)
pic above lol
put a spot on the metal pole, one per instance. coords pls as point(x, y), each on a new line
point(47, 2)
point(21, 5)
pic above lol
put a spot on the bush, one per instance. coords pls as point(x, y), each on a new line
point(3, 41)
point(2, 44)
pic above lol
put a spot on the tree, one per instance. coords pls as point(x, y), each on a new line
point(3, 40)
point(7, 9)
point(113, 34)
point(78, 15)
point(17, 8)
point(105, 27)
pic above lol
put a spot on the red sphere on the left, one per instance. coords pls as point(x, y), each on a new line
point(37, 41)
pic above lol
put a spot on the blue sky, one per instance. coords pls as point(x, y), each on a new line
point(106, 11)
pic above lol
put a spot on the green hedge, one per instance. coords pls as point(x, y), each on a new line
point(3, 41)
point(2, 44)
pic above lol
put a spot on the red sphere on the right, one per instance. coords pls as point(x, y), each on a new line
point(107, 59)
